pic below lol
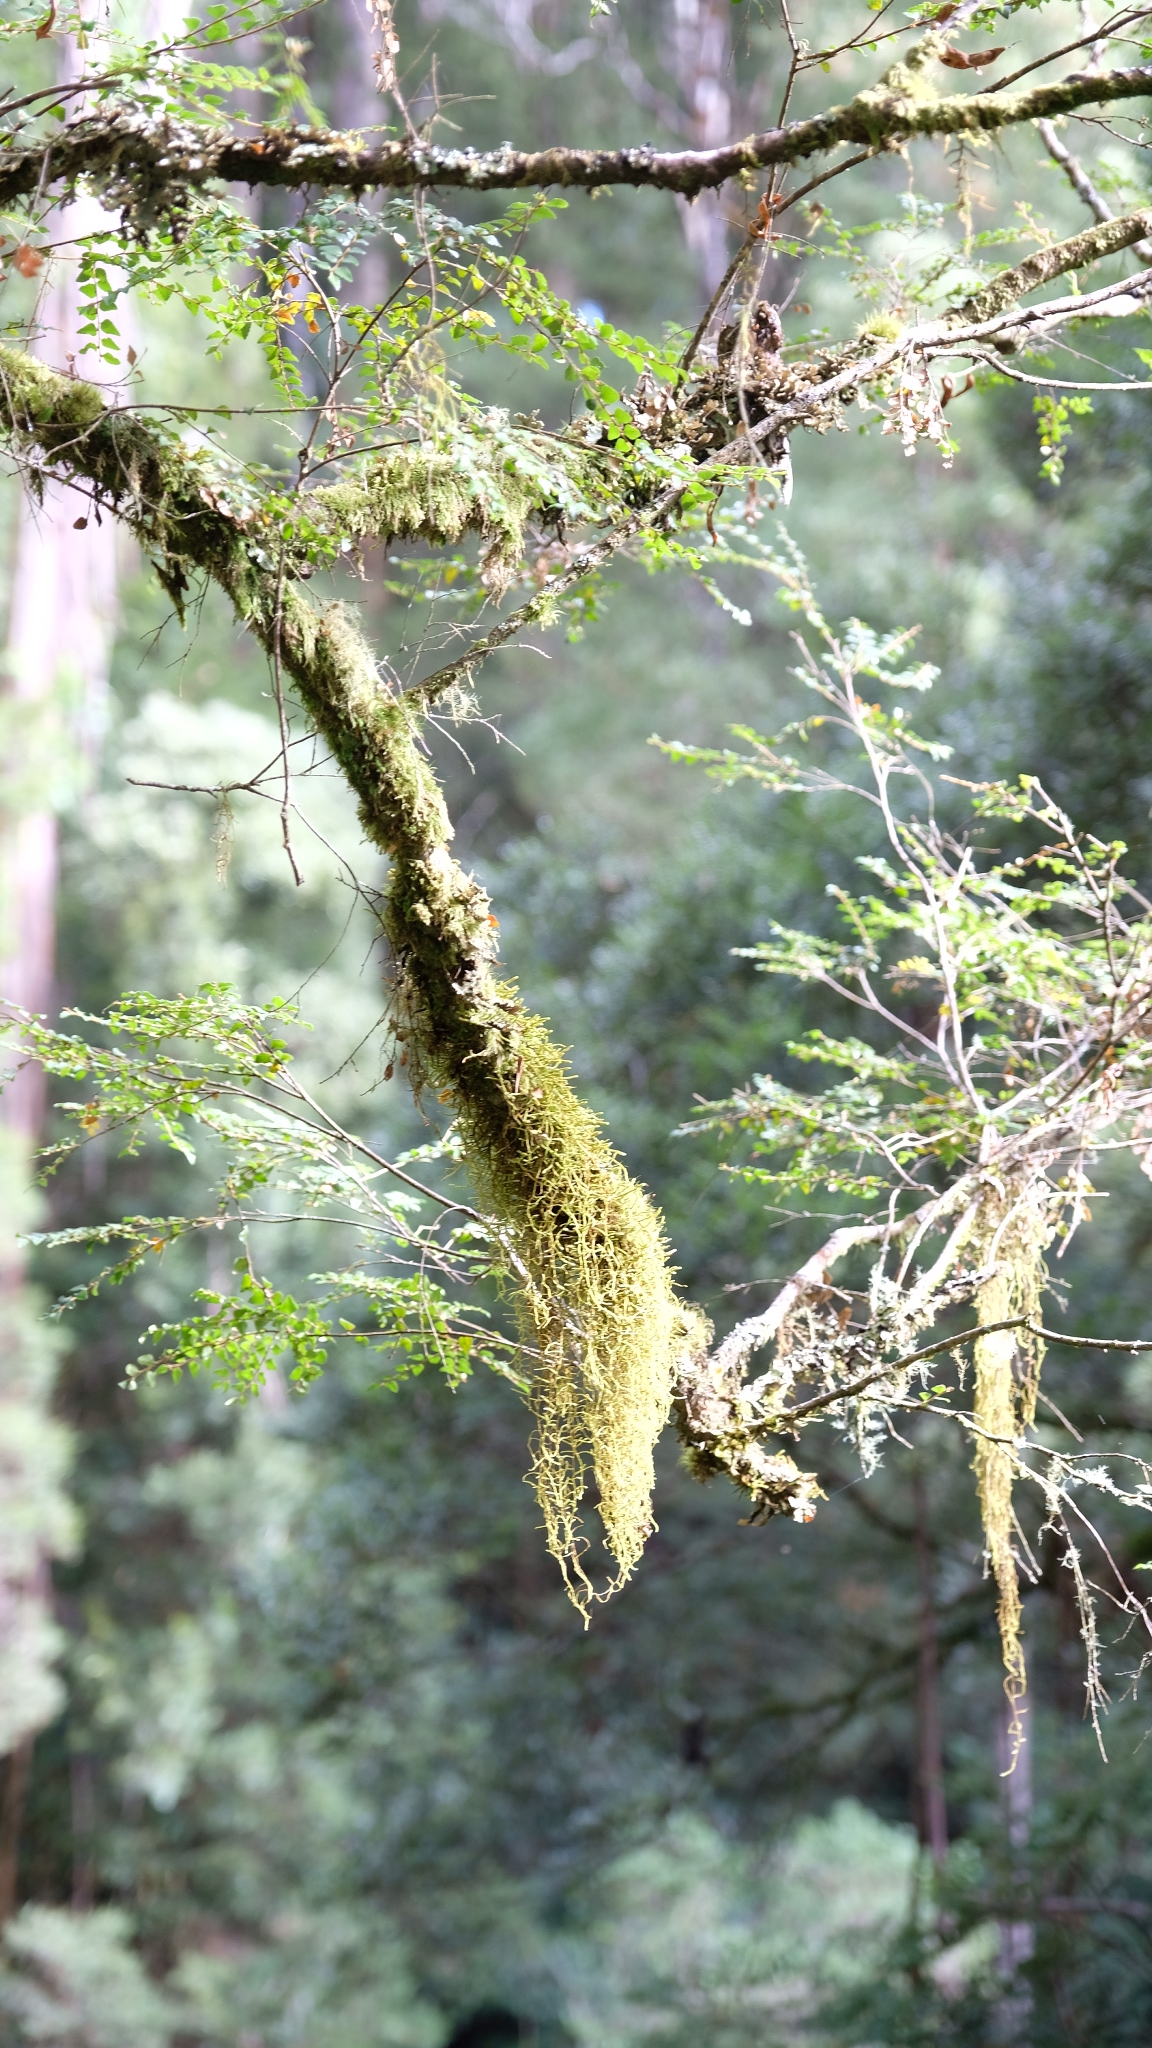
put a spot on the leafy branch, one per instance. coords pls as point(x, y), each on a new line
point(210, 1071)
point(1007, 1002)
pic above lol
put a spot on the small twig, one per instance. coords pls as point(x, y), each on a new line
point(1128, 1344)
point(884, 1372)
point(282, 715)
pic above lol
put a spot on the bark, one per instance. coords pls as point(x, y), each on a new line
point(1091, 246)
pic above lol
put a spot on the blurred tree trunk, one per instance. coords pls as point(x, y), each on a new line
point(701, 43)
point(52, 692)
point(932, 1816)
point(1017, 1936)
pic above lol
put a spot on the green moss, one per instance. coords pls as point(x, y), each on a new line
point(881, 327)
point(489, 482)
point(585, 1247)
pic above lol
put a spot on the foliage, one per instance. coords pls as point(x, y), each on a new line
point(280, 1147)
point(39, 1518)
point(78, 1981)
point(367, 390)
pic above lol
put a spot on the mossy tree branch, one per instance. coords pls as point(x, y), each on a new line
point(145, 163)
point(1090, 246)
point(586, 1246)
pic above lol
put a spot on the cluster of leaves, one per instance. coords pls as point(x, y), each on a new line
point(212, 1069)
point(169, 75)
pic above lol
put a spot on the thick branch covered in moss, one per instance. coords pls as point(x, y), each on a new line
point(586, 1246)
point(146, 163)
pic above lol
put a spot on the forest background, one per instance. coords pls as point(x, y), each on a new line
point(333, 1762)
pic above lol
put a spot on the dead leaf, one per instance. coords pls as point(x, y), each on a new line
point(45, 27)
point(28, 260)
point(131, 354)
point(80, 524)
point(957, 61)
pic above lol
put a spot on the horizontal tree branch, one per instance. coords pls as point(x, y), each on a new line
point(882, 1372)
point(145, 164)
point(1006, 332)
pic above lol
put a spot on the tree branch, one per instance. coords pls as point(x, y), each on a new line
point(146, 165)
point(1082, 184)
point(1107, 239)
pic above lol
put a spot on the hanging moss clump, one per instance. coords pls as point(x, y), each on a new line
point(603, 1327)
point(488, 483)
point(595, 1298)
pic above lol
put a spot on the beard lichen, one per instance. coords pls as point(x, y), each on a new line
point(1011, 1236)
point(583, 1244)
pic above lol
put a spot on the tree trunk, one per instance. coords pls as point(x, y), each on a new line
point(702, 60)
point(11, 1815)
point(932, 1816)
point(1017, 1936)
point(51, 699)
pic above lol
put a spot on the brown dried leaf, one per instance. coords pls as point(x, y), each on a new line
point(957, 61)
point(28, 260)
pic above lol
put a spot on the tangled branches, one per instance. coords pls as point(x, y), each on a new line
point(1008, 1005)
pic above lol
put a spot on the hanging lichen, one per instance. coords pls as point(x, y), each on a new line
point(1011, 1236)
